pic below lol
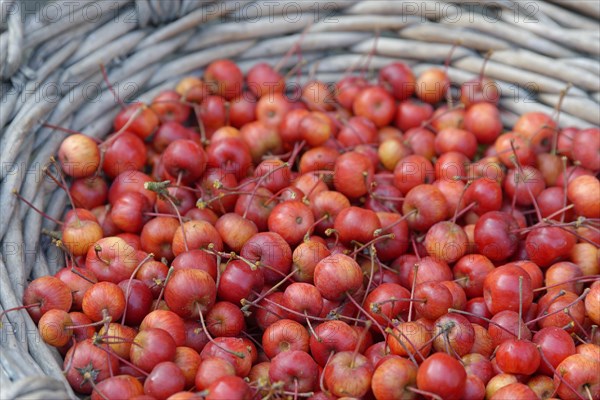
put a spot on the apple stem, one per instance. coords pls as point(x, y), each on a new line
point(245, 302)
point(520, 306)
point(149, 257)
point(576, 322)
point(412, 291)
point(556, 117)
point(253, 340)
point(310, 328)
point(370, 54)
point(274, 287)
point(515, 160)
point(87, 377)
point(427, 123)
point(460, 200)
point(424, 393)
point(361, 309)
point(322, 375)
point(97, 250)
point(561, 211)
point(212, 340)
point(449, 348)
point(295, 389)
point(587, 391)
point(296, 68)
point(379, 303)
point(43, 214)
point(17, 309)
point(155, 214)
point(558, 374)
point(94, 324)
point(304, 394)
point(390, 331)
point(593, 331)
point(361, 338)
point(70, 363)
point(104, 145)
point(331, 231)
point(111, 352)
point(110, 86)
point(197, 112)
point(462, 212)
point(393, 224)
point(67, 191)
point(486, 58)
point(295, 48)
point(67, 130)
point(289, 310)
point(489, 321)
point(387, 198)
point(584, 279)
point(294, 154)
point(371, 243)
point(310, 230)
point(164, 285)
point(415, 249)
point(79, 274)
point(564, 161)
point(161, 189)
point(259, 182)
point(579, 298)
point(306, 197)
point(575, 335)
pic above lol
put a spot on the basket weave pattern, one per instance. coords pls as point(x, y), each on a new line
point(49, 70)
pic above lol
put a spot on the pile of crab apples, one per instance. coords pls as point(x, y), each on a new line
point(371, 239)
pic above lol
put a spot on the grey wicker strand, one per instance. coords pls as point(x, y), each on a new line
point(49, 72)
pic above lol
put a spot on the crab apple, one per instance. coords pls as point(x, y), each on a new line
point(584, 193)
point(410, 339)
point(515, 390)
point(229, 388)
point(424, 205)
point(548, 244)
point(271, 253)
point(586, 148)
point(165, 379)
point(538, 128)
point(332, 336)
point(375, 103)
point(353, 174)
point(502, 288)
point(495, 235)
point(442, 375)
point(87, 364)
point(356, 224)
point(337, 275)
point(292, 220)
point(447, 241)
point(296, 369)
point(79, 156)
point(348, 374)
point(235, 350)
point(224, 78)
point(581, 374)
point(432, 85)
point(483, 120)
point(190, 291)
point(391, 379)
point(454, 334)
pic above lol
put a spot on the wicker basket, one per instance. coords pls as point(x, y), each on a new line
point(50, 72)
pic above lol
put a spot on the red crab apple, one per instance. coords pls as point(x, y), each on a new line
point(443, 375)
